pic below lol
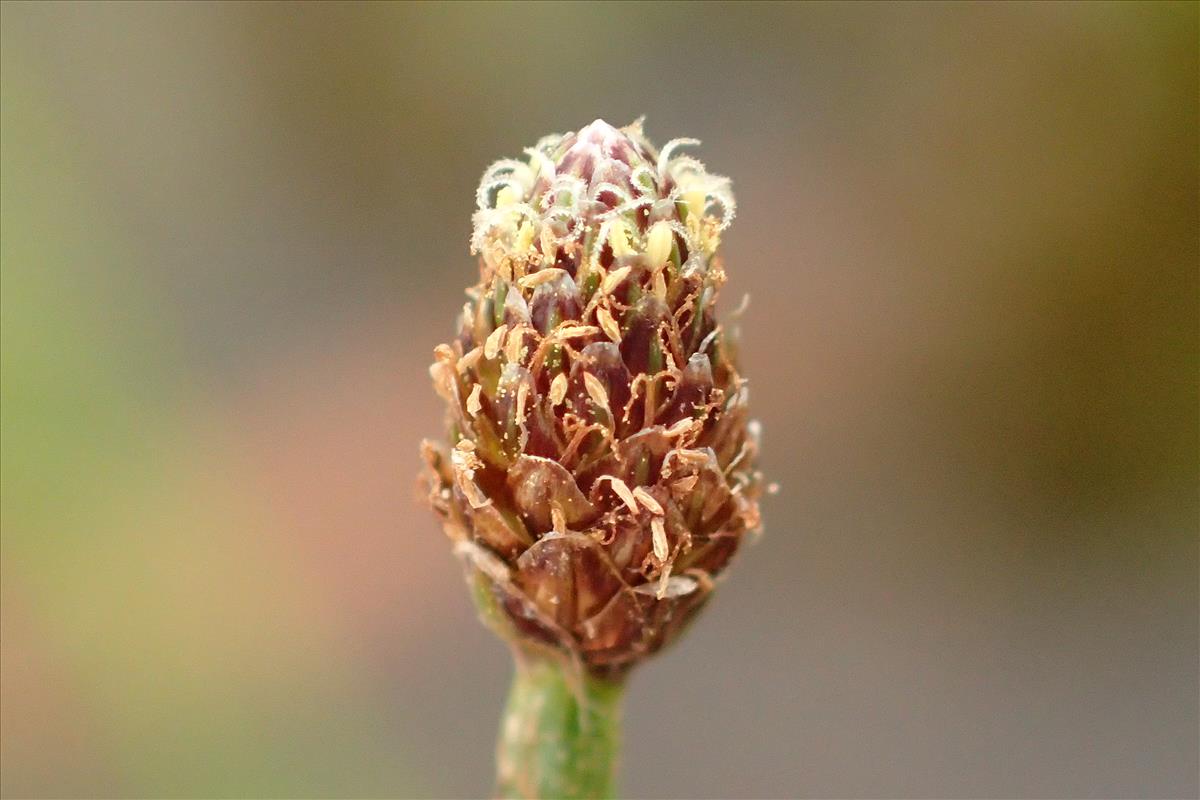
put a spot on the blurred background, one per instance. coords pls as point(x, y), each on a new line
point(232, 235)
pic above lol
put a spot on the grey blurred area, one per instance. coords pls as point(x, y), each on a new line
point(969, 233)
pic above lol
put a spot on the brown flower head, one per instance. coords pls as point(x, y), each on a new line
point(601, 467)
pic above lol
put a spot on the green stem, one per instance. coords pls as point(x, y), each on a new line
point(560, 734)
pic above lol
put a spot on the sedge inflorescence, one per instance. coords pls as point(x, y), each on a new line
point(601, 466)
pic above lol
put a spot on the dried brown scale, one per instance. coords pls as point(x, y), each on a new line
point(602, 465)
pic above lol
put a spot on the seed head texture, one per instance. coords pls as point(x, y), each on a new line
point(601, 465)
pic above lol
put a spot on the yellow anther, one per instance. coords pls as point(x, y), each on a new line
point(618, 240)
point(541, 276)
point(558, 388)
point(575, 331)
point(514, 348)
point(469, 360)
point(524, 238)
point(595, 390)
point(658, 245)
point(613, 279)
point(505, 197)
point(659, 539)
point(494, 341)
point(647, 500)
point(608, 324)
point(474, 406)
point(622, 491)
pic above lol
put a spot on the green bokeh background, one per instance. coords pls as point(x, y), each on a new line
point(232, 234)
